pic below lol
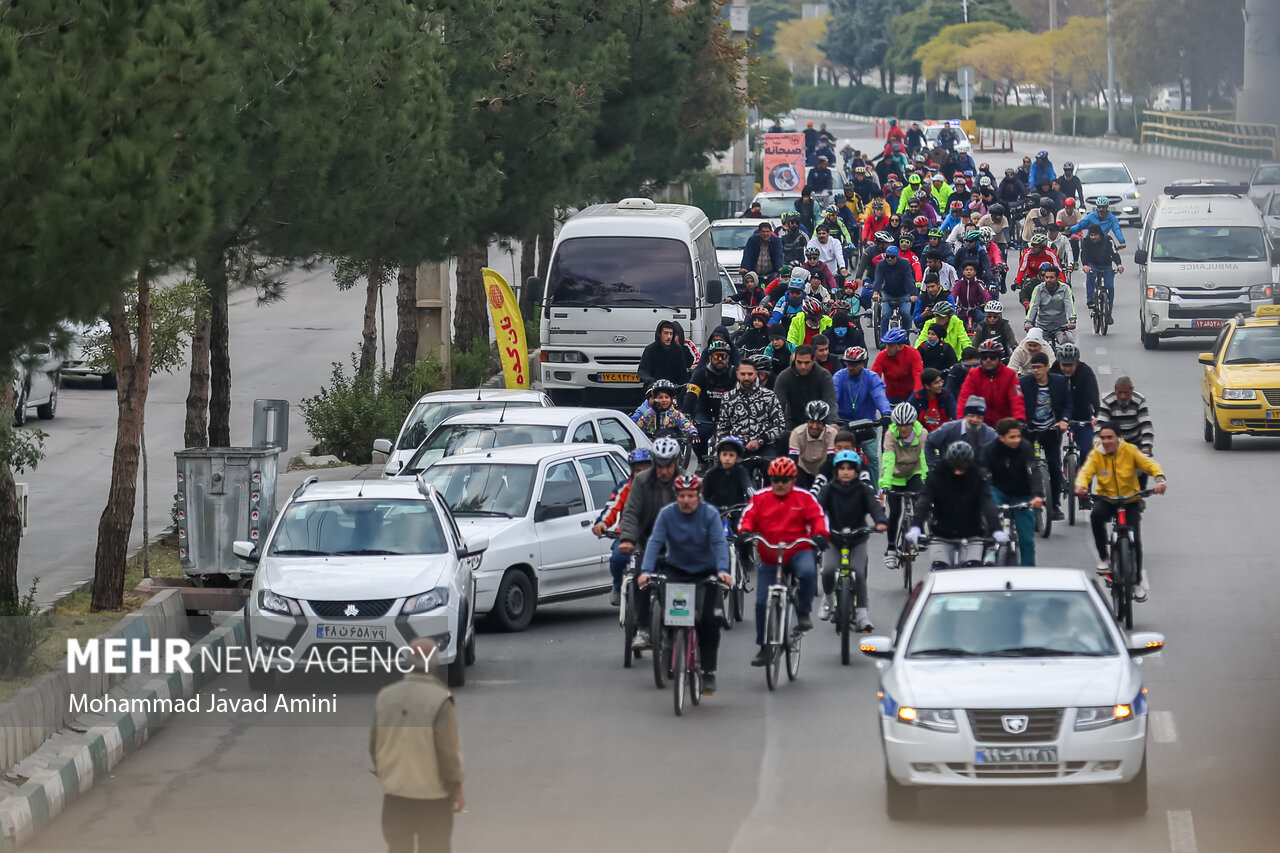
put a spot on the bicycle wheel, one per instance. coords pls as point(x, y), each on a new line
point(794, 638)
point(844, 613)
point(1069, 470)
point(877, 312)
point(660, 660)
point(1122, 579)
point(1044, 515)
point(628, 625)
point(729, 602)
point(1008, 554)
point(679, 667)
point(1104, 310)
point(695, 671)
point(772, 633)
point(739, 596)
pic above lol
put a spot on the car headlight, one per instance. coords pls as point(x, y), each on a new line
point(561, 357)
point(1157, 291)
point(1239, 394)
point(938, 719)
point(1136, 194)
point(1101, 716)
point(1260, 291)
point(276, 603)
point(425, 601)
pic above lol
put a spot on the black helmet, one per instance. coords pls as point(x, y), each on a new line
point(959, 453)
point(997, 210)
point(817, 410)
point(662, 386)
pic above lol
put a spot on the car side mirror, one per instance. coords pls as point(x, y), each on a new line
point(1142, 643)
point(245, 550)
point(1139, 181)
point(382, 445)
point(533, 284)
point(715, 292)
point(1205, 358)
point(474, 546)
point(1140, 256)
point(876, 646)
point(547, 512)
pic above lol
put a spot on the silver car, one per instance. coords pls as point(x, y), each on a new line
point(37, 375)
point(1114, 181)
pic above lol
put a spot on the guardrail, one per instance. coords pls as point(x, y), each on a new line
point(995, 139)
point(1209, 132)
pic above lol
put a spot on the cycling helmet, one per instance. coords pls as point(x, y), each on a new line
point(920, 158)
point(687, 482)
point(1039, 239)
point(984, 181)
point(831, 208)
point(943, 309)
point(812, 308)
point(662, 386)
point(895, 336)
point(904, 413)
point(884, 237)
point(1102, 201)
point(987, 233)
point(906, 240)
point(841, 305)
point(920, 197)
point(665, 450)
point(812, 252)
point(718, 346)
point(1042, 155)
point(854, 355)
point(997, 210)
point(783, 466)
point(816, 410)
point(1069, 353)
point(640, 455)
point(848, 456)
point(1046, 203)
point(957, 204)
point(972, 236)
point(959, 453)
point(995, 306)
point(763, 363)
point(733, 443)
point(1068, 166)
point(1048, 266)
point(920, 221)
point(992, 347)
point(937, 233)
point(1069, 204)
point(762, 311)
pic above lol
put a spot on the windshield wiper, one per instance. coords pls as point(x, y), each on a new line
point(299, 552)
point(485, 512)
point(368, 552)
point(643, 303)
point(1230, 258)
point(1041, 651)
point(945, 652)
point(1244, 359)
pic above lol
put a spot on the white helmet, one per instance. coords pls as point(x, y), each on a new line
point(666, 450)
point(988, 233)
point(995, 306)
point(904, 413)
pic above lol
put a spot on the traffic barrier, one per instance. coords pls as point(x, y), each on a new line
point(995, 139)
point(1204, 131)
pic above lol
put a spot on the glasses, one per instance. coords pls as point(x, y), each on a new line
point(991, 358)
point(780, 480)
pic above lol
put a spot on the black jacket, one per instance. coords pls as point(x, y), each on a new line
point(646, 498)
point(848, 504)
point(726, 488)
point(955, 379)
point(1085, 398)
point(664, 362)
point(1071, 187)
point(706, 389)
point(1059, 397)
point(961, 503)
point(793, 246)
point(941, 357)
point(796, 391)
point(1012, 469)
point(752, 338)
point(1099, 255)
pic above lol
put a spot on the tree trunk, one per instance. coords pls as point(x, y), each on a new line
point(471, 318)
point(528, 262)
point(134, 373)
point(196, 431)
point(369, 337)
point(546, 238)
point(406, 324)
point(884, 85)
point(10, 513)
point(146, 498)
point(219, 356)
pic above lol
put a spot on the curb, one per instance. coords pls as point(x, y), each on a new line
point(1168, 152)
point(67, 766)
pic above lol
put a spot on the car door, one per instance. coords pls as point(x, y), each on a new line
point(44, 372)
point(1210, 381)
point(562, 516)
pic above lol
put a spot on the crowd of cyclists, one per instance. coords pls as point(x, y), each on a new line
point(790, 419)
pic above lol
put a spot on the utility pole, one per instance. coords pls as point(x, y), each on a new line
point(1053, 71)
point(1257, 101)
point(1111, 80)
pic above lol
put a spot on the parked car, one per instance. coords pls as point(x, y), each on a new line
point(1271, 213)
point(433, 408)
point(487, 430)
point(77, 360)
point(1012, 677)
point(1169, 98)
point(1114, 181)
point(533, 505)
point(37, 373)
point(1264, 181)
point(368, 564)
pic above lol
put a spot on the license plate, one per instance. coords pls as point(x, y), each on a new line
point(1016, 755)
point(681, 600)
point(351, 632)
point(1208, 324)
point(617, 377)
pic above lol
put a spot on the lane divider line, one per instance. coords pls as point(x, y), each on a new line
point(1104, 370)
point(1182, 832)
point(1162, 727)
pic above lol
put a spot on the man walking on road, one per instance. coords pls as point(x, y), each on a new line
point(417, 756)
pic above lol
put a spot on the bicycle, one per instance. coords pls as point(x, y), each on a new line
point(1044, 515)
point(1101, 305)
point(736, 604)
point(895, 318)
point(907, 550)
point(1007, 554)
point(657, 635)
point(1070, 467)
point(781, 637)
point(846, 603)
point(1123, 571)
point(1058, 336)
point(628, 618)
point(959, 546)
point(679, 624)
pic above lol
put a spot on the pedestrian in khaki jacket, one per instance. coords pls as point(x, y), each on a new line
point(417, 757)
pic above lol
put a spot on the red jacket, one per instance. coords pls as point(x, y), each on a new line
point(1030, 264)
point(782, 520)
point(871, 225)
point(1002, 393)
point(901, 374)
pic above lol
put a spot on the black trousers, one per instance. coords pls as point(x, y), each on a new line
point(424, 826)
point(1100, 516)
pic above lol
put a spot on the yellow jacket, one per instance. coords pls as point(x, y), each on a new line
point(1117, 473)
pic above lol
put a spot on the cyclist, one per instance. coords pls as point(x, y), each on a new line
point(1039, 220)
point(813, 442)
point(933, 293)
point(845, 330)
point(877, 219)
point(995, 327)
point(1052, 306)
point(872, 252)
point(1011, 190)
point(1041, 171)
point(933, 401)
point(751, 294)
point(707, 388)
point(1034, 342)
point(1029, 267)
point(809, 322)
point(1011, 460)
point(1103, 218)
point(778, 356)
point(794, 239)
point(1127, 409)
point(956, 499)
point(1116, 463)
point(895, 286)
point(906, 252)
point(611, 515)
point(954, 379)
point(955, 211)
point(974, 250)
point(762, 253)
point(1084, 392)
point(755, 336)
point(935, 353)
point(664, 358)
point(1068, 217)
point(1048, 400)
point(663, 416)
point(650, 491)
point(783, 513)
point(802, 383)
point(1069, 185)
point(845, 440)
point(793, 303)
point(688, 539)
point(970, 295)
point(903, 468)
point(1101, 263)
point(819, 281)
point(728, 484)
point(953, 332)
point(847, 501)
point(938, 244)
point(752, 413)
point(822, 352)
point(860, 395)
point(836, 226)
point(863, 187)
point(969, 428)
point(1060, 243)
point(995, 383)
point(899, 365)
point(826, 249)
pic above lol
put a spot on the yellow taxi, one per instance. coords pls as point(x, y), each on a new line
point(1241, 385)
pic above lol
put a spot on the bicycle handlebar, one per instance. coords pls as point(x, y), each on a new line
point(1145, 493)
point(1009, 507)
point(850, 534)
point(947, 540)
point(783, 546)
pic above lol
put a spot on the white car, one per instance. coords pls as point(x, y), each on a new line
point(534, 505)
point(77, 360)
point(730, 238)
point(366, 565)
point(1011, 677)
point(773, 204)
point(1271, 213)
point(1264, 181)
point(1114, 181)
point(932, 128)
point(433, 408)
point(468, 433)
point(1168, 98)
point(37, 373)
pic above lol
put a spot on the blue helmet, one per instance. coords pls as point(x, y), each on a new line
point(639, 455)
point(895, 336)
point(733, 443)
point(847, 456)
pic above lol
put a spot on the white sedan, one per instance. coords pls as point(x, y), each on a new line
point(534, 505)
point(37, 375)
point(1011, 677)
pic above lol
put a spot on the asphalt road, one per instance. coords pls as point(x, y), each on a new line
point(566, 751)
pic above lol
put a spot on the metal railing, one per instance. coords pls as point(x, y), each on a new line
point(1211, 132)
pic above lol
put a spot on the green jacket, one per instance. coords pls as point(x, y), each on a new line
point(902, 460)
point(795, 332)
point(956, 335)
point(941, 195)
point(907, 192)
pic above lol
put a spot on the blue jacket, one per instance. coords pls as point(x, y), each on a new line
point(860, 399)
point(1110, 224)
point(895, 280)
point(1059, 397)
point(693, 542)
point(1041, 174)
point(751, 252)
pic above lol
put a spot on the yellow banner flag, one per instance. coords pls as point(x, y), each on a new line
point(509, 329)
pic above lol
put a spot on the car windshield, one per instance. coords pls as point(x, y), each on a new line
point(358, 526)
point(772, 207)
point(621, 272)
point(1204, 243)
point(483, 489)
point(1010, 623)
point(1103, 175)
point(450, 439)
point(1273, 206)
point(427, 415)
point(1266, 175)
point(734, 236)
point(1254, 345)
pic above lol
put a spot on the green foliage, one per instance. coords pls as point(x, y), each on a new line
point(767, 15)
point(858, 36)
point(20, 449)
point(173, 319)
point(769, 87)
point(473, 365)
point(911, 30)
point(22, 629)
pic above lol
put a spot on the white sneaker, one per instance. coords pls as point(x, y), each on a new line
point(641, 642)
point(1139, 593)
point(828, 604)
point(891, 560)
point(864, 622)
point(1104, 567)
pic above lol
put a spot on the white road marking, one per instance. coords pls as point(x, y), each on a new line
point(756, 824)
point(1100, 350)
point(1182, 832)
point(1162, 727)
point(1104, 370)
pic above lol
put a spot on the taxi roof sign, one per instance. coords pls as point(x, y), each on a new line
point(1267, 311)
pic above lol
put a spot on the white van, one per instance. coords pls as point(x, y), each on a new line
point(1204, 256)
point(616, 271)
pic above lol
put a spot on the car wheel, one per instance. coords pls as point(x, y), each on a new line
point(49, 409)
point(900, 800)
point(259, 681)
point(458, 670)
point(1208, 430)
point(1149, 339)
point(513, 609)
point(20, 410)
point(1132, 801)
point(1221, 438)
point(109, 381)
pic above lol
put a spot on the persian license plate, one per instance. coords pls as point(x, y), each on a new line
point(681, 600)
point(617, 377)
point(1016, 755)
point(351, 632)
point(1208, 324)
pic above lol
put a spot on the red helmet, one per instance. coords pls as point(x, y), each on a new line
point(853, 355)
point(957, 204)
point(812, 308)
point(1069, 203)
point(920, 221)
point(783, 466)
point(686, 482)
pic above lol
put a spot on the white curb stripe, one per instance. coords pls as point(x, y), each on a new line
point(1182, 832)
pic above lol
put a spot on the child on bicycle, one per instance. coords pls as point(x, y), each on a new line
point(728, 484)
point(902, 466)
point(848, 500)
point(611, 516)
point(845, 440)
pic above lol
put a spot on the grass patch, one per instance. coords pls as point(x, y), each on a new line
point(72, 619)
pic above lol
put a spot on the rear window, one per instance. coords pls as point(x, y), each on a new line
point(621, 272)
point(427, 415)
point(468, 438)
point(734, 236)
point(1267, 175)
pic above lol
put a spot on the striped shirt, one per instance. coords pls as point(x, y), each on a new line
point(1132, 418)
